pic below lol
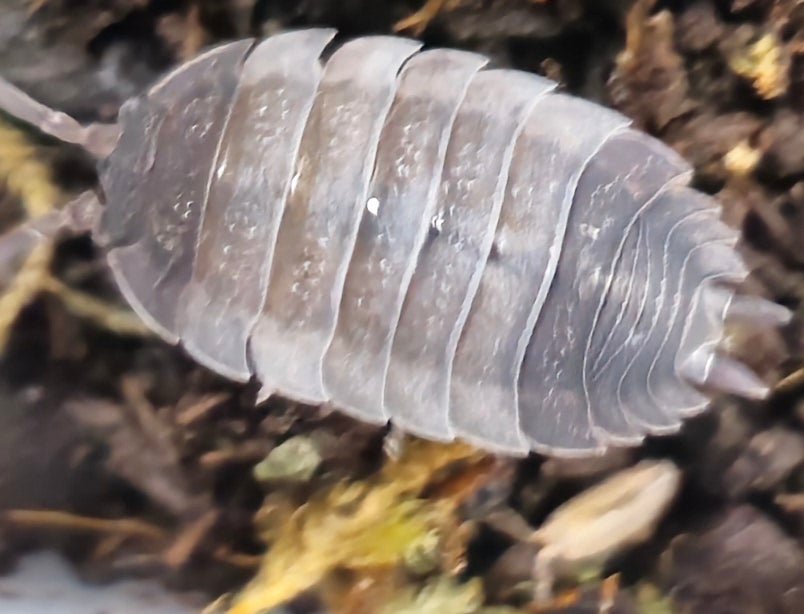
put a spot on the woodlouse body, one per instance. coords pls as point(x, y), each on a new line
point(410, 235)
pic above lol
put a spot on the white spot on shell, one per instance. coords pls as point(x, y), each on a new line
point(438, 221)
point(590, 231)
point(221, 169)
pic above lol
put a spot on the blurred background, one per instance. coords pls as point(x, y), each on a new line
point(130, 462)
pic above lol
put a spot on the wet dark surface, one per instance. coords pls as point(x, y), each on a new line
point(102, 424)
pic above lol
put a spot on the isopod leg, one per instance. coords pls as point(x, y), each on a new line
point(76, 217)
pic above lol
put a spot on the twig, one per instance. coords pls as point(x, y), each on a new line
point(56, 519)
point(25, 286)
point(418, 21)
point(197, 410)
point(237, 559)
point(103, 315)
point(635, 32)
point(180, 551)
point(115, 528)
point(790, 382)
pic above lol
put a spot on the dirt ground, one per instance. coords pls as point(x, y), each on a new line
point(118, 451)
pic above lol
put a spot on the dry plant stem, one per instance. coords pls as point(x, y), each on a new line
point(635, 32)
point(420, 20)
point(237, 559)
point(24, 173)
point(134, 392)
point(561, 602)
point(195, 39)
point(791, 382)
point(55, 519)
point(609, 589)
point(29, 179)
point(465, 483)
point(24, 288)
point(120, 322)
point(188, 540)
point(243, 454)
point(200, 409)
point(107, 546)
point(543, 573)
point(116, 530)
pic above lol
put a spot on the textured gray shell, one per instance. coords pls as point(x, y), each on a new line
point(411, 236)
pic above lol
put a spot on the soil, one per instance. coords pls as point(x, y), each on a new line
point(103, 422)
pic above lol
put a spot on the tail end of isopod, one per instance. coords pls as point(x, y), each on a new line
point(757, 312)
point(710, 370)
point(715, 365)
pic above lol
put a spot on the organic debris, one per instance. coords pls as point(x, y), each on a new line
point(380, 523)
point(742, 563)
point(24, 288)
point(105, 428)
point(294, 460)
point(763, 64)
point(766, 463)
point(650, 65)
point(742, 159)
point(118, 531)
point(24, 174)
point(116, 320)
point(28, 255)
point(441, 596)
point(418, 22)
point(140, 449)
point(54, 520)
point(25, 177)
point(583, 533)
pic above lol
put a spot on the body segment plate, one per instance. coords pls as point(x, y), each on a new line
point(548, 159)
point(247, 194)
point(454, 254)
point(326, 200)
point(554, 405)
point(192, 104)
point(399, 206)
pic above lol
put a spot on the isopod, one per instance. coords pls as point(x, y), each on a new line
point(411, 235)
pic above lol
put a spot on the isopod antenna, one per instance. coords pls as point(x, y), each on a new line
point(97, 139)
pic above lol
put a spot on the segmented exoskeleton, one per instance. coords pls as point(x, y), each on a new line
point(411, 235)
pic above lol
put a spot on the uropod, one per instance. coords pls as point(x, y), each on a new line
point(415, 236)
